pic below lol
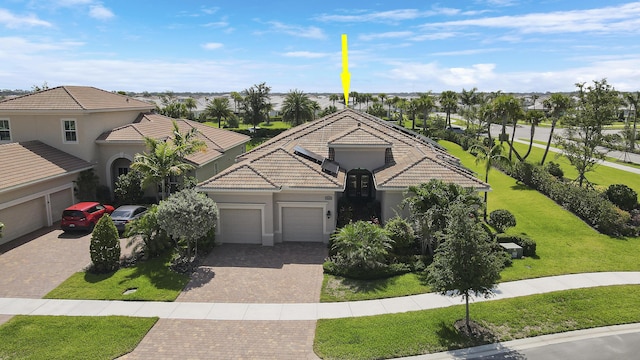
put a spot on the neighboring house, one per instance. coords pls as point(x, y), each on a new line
point(47, 137)
point(288, 189)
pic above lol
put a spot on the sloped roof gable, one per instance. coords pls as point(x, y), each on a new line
point(33, 161)
point(74, 98)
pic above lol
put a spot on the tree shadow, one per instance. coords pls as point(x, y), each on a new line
point(453, 337)
point(366, 286)
point(200, 278)
point(158, 274)
point(521, 187)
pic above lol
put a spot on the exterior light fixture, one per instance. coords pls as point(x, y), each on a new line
point(328, 214)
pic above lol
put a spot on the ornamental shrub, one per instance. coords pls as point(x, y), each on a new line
point(402, 235)
point(105, 246)
point(555, 170)
point(623, 196)
point(527, 244)
point(128, 189)
point(502, 219)
point(361, 246)
point(147, 236)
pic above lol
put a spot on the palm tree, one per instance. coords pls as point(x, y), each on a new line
point(237, 100)
point(400, 104)
point(256, 103)
point(333, 98)
point(507, 107)
point(426, 104)
point(297, 108)
point(533, 117)
point(489, 157)
point(412, 108)
point(383, 97)
point(557, 105)
point(159, 163)
point(469, 98)
point(449, 104)
point(219, 108)
point(187, 143)
point(633, 99)
point(190, 104)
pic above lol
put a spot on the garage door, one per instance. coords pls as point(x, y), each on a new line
point(302, 224)
point(23, 218)
point(241, 226)
point(59, 201)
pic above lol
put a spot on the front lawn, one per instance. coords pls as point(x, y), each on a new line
point(67, 337)
point(153, 280)
point(429, 331)
point(336, 288)
point(263, 125)
point(565, 244)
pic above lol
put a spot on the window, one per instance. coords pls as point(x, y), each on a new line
point(123, 171)
point(5, 130)
point(69, 131)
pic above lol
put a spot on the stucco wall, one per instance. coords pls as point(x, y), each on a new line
point(359, 158)
point(390, 201)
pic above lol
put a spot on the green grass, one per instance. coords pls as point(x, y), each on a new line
point(336, 288)
point(552, 155)
point(153, 279)
point(565, 244)
point(421, 332)
point(601, 176)
point(65, 337)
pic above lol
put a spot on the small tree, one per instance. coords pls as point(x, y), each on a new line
point(465, 263)
point(402, 235)
point(187, 215)
point(146, 235)
point(86, 185)
point(502, 219)
point(105, 246)
point(128, 188)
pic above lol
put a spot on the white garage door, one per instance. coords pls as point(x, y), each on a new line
point(23, 218)
point(241, 226)
point(59, 201)
point(302, 224)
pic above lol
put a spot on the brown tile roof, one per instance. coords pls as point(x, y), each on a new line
point(33, 161)
point(78, 98)
point(414, 159)
point(358, 137)
point(159, 126)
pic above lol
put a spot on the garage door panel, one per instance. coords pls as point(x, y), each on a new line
point(59, 201)
point(303, 224)
point(23, 218)
point(241, 226)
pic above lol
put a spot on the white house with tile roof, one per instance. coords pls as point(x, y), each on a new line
point(288, 188)
point(47, 137)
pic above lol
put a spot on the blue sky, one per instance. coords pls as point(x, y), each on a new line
point(394, 46)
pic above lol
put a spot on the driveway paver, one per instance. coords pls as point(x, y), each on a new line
point(284, 273)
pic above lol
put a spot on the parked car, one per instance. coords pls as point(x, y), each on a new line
point(83, 215)
point(456, 129)
point(125, 213)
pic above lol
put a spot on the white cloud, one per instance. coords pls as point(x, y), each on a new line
point(385, 35)
point(100, 12)
point(466, 52)
point(607, 19)
point(13, 21)
point(311, 32)
point(306, 54)
point(20, 46)
point(216, 24)
point(212, 46)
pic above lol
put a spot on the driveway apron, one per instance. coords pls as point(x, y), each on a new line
point(284, 273)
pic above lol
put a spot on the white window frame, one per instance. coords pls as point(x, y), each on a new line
point(64, 131)
point(7, 129)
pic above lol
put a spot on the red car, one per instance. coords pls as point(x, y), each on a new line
point(84, 215)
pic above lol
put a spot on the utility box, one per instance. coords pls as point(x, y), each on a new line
point(514, 249)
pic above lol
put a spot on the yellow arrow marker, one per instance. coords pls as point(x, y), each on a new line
point(345, 75)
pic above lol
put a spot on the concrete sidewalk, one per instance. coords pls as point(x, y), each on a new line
point(301, 311)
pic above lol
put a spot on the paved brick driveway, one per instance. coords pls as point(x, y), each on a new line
point(284, 273)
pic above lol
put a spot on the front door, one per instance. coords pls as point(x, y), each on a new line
point(359, 184)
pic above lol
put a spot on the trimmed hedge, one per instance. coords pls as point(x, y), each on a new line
point(527, 244)
point(588, 204)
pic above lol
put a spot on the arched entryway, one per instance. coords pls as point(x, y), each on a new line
point(119, 164)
